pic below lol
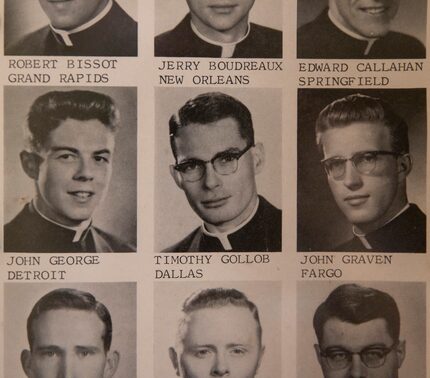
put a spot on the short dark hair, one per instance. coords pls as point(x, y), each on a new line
point(357, 304)
point(211, 107)
point(72, 299)
point(361, 108)
point(49, 110)
point(220, 297)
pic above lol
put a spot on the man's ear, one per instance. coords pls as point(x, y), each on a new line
point(318, 353)
point(401, 352)
point(175, 362)
point(404, 166)
point(259, 157)
point(176, 176)
point(30, 162)
point(26, 363)
point(112, 362)
point(262, 350)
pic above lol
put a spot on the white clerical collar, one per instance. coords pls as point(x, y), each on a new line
point(362, 236)
point(65, 34)
point(223, 236)
point(370, 41)
point(79, 230)
point(227, 48)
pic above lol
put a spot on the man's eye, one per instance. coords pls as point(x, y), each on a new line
point(66, 157)
point(101, 159)
point(225, 159)
point(202, 353)
point(374, 353)
point(238, 351)
point(84, 353)
point(337, 356)
point(367, 158)
point(49, 353)
point(189, 166)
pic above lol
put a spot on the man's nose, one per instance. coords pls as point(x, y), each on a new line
point(211, 179)
point(220, 366)
point(67, 368)
point(352, 178)
point(357, 369)
point(84, 170)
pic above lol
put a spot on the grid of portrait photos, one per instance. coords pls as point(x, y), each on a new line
point(214, 188)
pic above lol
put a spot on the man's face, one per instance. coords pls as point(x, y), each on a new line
point(367, 200)
point(69, 14)
point(223, 201)
point(75, 169)
point(67, 343)
point(220, 15)
point(369, 18)
point(339, 335)
point(221, 342)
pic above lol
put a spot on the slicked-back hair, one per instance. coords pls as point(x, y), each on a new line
point(49, 110)
point(70, 299)
point(356, 304)
point(218, 298)
point(360, 108)
point(211, 107)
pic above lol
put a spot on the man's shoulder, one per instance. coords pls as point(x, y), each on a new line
point(265, 33)
point(174, 42)
point(187, 243)
point(114, 243)
point(31, 44)
point(406, 45)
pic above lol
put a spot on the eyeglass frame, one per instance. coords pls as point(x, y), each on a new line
point(348, 360)
point(376, 152)
point(237, 155)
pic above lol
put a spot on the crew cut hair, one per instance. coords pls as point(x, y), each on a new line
point(356, 304)
point(360, 108)
point(211, 107)
point(70, 299)
point(217, 298)
point(49, 110)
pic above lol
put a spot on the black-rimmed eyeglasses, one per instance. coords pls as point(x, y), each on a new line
point(372, 357)
point(364, 162)
point(224, 163)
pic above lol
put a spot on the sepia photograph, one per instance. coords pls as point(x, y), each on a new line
point(218, 170)
point(70, 169)
point(346, 29)
point(78, 330)
point(71, 28)
point(216, 29)
point(361, 175)
point(217, 329)
point(363, 329)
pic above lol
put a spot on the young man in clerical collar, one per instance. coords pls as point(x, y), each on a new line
point(216, 28)
point(365, 150)
point(70, 147)
point(351, 29)
point(216, 160)
point(81, 27)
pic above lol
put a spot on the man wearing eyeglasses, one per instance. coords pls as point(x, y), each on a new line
point(366, 157)
point(216, 160)
point(358, 332)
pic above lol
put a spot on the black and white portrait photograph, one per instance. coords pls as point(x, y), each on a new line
point(71, 28)
point(218, 170)
point(363, 329)
point(70, 169)
point(361, 29)
point(361, 176)
point(218, 29)
point(79, 330)
point(213, 329)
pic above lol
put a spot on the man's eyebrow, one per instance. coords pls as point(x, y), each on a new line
point(64, 148)
point(87, 348)
point(227, 151)
point(42, 348)
point(103, 151)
